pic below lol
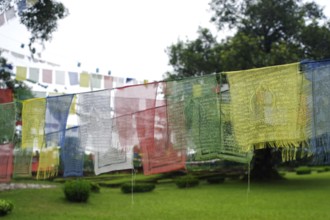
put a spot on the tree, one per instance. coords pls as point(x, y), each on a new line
point(267, 32)
point(195, 58)
point(40, 18)
point(20, 91)
point(282, 30)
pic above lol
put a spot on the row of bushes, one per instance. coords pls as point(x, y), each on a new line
point(79, 190)
point(308, 170)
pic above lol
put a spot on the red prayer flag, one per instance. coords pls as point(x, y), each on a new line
point(6, 95)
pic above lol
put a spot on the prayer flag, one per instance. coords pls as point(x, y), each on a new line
point(265, 107)
point(10, 13)
point(47, 76)
point(33, 118)
point(73, 76)
point(108, 82)
point(6, 162)
point(318, 74)
point(21, 73)
point(6, 95)
point(72, 153)
point(96, 81)
point(7, 122)
point(84, 79)
point(34, 74)
point(2, 19)
point(48, 162)
point(23, 162)
point(60, 77)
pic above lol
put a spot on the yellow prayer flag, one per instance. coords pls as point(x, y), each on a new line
point(73, 105)
point(48, 162)
point(84, 79)
point(21, 73)
point(266, 106)
point(33, 121)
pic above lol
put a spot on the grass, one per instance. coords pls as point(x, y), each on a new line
point(300, 197)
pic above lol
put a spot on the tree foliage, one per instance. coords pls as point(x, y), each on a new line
point(268, 21)
point(266, 32)
point(195, 58)
point(41, 20)
point(20, 90)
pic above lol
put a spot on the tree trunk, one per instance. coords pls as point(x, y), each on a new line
point(263, 167)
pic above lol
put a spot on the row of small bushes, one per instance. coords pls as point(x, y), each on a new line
point(137, 187)
point(78, 190)
point(303, 170)
point(308, 170)
point(186, 181)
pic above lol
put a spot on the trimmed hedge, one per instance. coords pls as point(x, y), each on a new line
point(137, 187)
point(5, 207)
point(303, 170)
point(215, 179)
point(77, 190)
point(95, 187)
point(186, 181)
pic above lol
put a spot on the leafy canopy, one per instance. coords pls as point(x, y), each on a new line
point(266, 32)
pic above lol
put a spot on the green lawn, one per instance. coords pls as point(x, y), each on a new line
point(299, 197)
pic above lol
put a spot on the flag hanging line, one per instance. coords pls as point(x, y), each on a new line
point(276, 113)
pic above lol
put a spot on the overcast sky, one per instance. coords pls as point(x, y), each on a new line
point(127, 37)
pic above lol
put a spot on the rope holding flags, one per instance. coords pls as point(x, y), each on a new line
point(174, 123)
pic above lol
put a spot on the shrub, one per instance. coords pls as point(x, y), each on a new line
point(303, 170)
point(137, 187)
point(320, 170)
point(186, 181)
point(95, 187)
point(5, 207)
point(215, 179)
point(77, 190)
